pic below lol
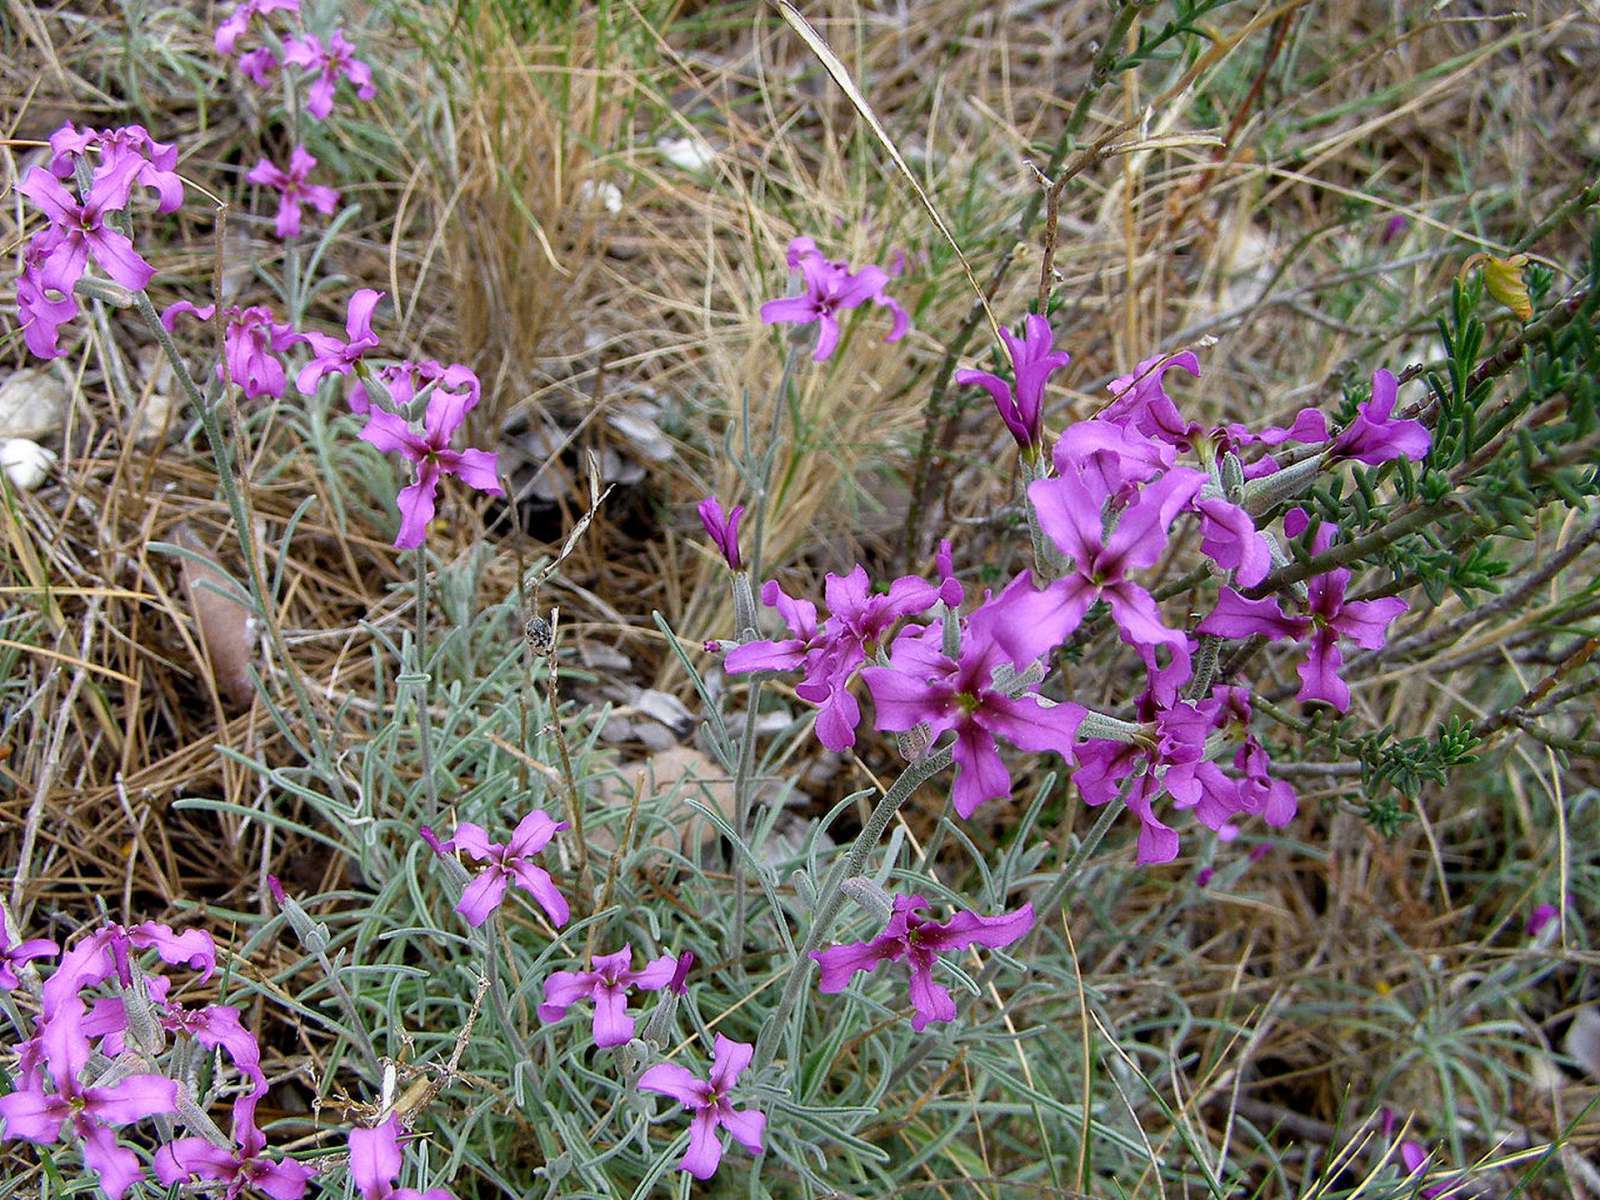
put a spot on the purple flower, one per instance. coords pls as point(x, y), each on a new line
point(330, 356)
point(237, 22)
point(708, 1098)
point(607, 984)
point(679, 984)
point(78, 231)
point(294, 190)
point(923, 686)
point(1329, 619)
point(1374, 438)
point(37, 1116)
point(329, 63)
point(106, 952)
point(252, 344)
point(1416, 1158)
point(919, 941)
point(1070, 514)
point(1141, 400)
point(405, 380)
point(1032, 360)
point(433, 458)
point(1231, 540)
point(215, 1026)
point(722, 529)
point(1170, 757)
point(510, 862)
point(41, 309)
point(375, 1162)
point(831, 288)
point(157, 161)
point(1540, 917)
point(258, 65)
point(1393, 228)
point(20, 954)
point(245, 1166)
point(858, 623)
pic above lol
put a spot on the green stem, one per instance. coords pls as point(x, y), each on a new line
point(424, 719)
point(832, 897)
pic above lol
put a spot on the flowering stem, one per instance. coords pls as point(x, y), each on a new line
point(742, 782)
point(764, 481)
point(832, 897)
point(234, 499)
point(424, 721)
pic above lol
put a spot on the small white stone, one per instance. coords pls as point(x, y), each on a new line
point(27, 464)
point(33, 404)
point(689, 153)
point(597, 192)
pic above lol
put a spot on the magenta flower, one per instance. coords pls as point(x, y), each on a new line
point(1416, 1158)
point(1070, 514)
point(245, 1166)
point(216, 1026)
point(1108, 458)
point(1032, 361)
point(1373, 437)
point(41, 309)
point(375, 1162)
point(607, 984)
point(922, 686)
point(106, 952)
point(509, 862)
point(919, 941)
point(19, 955)
point(405, 380)
point(1231, 540)
point(252, 344)
point(1140, 399)
point(237, 23)
point(1543, 915)
point(158, 161)
point(330, 356)
point(1171, 757)
point(329, 63)
point(679, 983)
point(831, 288)
point(258, 65)
point(37, 1116)
point(78, 231)
point(1329, 619)
point(293, 190)
point(858, 623)
point(708, 1098)
point(722, 529)
point(430, 452)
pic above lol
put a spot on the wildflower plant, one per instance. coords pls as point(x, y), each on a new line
point(784, 1001)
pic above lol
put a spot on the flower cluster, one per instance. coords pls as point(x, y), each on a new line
point(1105, 504)
point(79, 222)
point(100, 1004)
point(605, 984)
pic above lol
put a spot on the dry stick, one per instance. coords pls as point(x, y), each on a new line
point(1519, 712)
